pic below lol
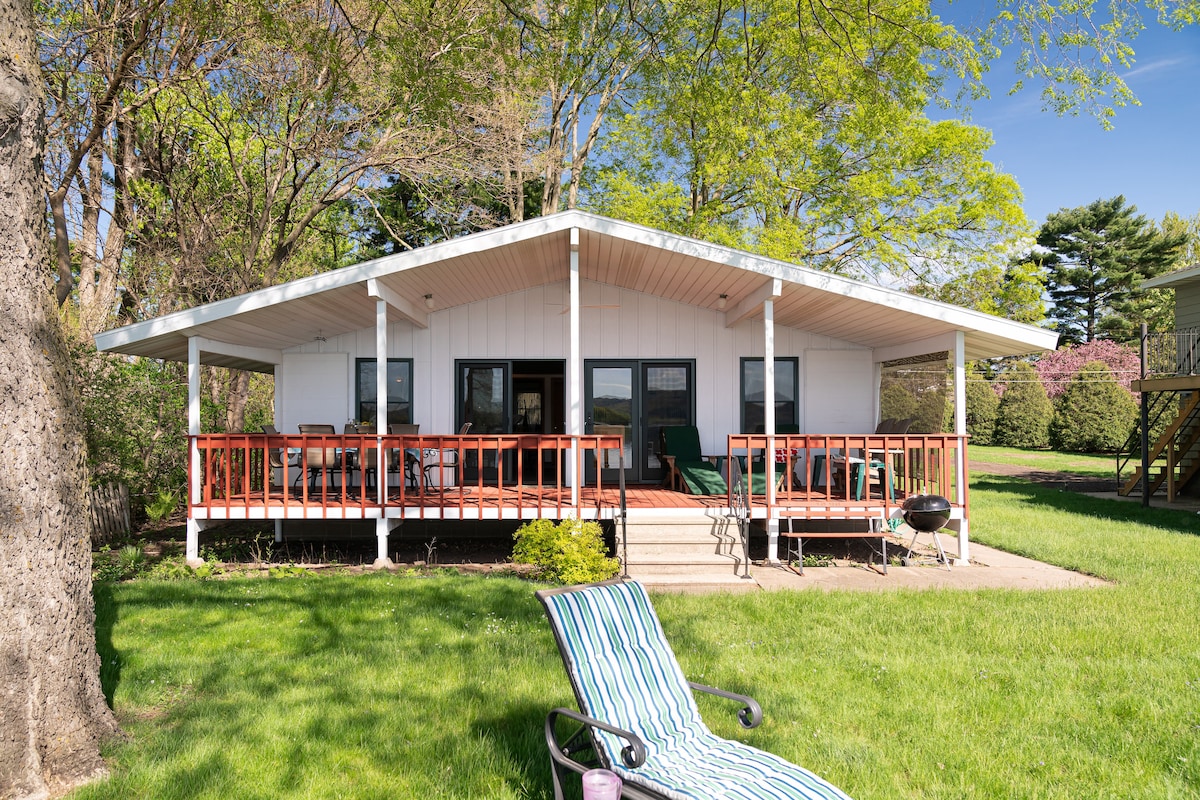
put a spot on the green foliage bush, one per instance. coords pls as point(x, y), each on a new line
point(896, 401)
point(568, 553)
point(1094, 414)
point(983, 406)
point(135, 420)
point(1025, 412)
point(162, 506)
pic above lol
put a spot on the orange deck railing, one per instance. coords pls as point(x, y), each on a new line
point(867, 470)
point(320, 472)
point(324, 475)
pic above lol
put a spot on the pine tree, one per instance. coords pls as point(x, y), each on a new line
point(1098, 254)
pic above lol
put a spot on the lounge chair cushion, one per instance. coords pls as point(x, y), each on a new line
point(625, 674)
point(702, 477)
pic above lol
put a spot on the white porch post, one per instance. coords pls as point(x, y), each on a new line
point(192, 551)
point(574, 370)
point(381, 392)
point(960, 428)
point(769, 423)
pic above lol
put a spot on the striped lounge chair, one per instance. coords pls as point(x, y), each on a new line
point(639, 717)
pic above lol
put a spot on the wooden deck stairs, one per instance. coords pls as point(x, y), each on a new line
point(696, 553)
point(1184, 432)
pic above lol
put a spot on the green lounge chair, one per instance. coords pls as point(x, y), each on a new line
point(686, 465)
point(639, 716)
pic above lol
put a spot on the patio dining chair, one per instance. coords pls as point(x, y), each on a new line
point(410, 455)
point(638, 715)
point(319, 460)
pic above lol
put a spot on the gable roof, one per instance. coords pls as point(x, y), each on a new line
point(536, 252)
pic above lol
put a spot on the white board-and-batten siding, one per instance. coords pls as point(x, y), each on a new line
point(837, 392)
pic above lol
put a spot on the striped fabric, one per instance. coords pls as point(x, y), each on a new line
point(625, 674)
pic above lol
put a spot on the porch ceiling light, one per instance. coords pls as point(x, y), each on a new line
point(722, 299)
point(429, 301)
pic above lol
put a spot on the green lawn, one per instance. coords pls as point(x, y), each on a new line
point(435, 687)
point(1104, 466)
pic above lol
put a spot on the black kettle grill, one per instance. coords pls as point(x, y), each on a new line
point(926, 513)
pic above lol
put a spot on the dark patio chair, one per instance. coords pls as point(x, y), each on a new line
point(411, 455)
point(638, 715)
point(686, 466)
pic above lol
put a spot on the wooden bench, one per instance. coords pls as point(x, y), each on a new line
point(877, 529)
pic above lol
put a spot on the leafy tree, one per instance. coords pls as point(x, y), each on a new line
point(103, 63)
point(1013, 291)
point(1024, 414)
point(983, 407)
point(1058, 368)
point(1094, 414)
point(53, 713)
point(135, 416)
point(581, 56)
point(1096, 255)
point(404, 214)
point(896, 401)
point(761, 127)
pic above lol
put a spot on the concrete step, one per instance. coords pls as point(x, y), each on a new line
point(694, 582)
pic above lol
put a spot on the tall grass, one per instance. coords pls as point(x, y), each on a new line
point(398, 687)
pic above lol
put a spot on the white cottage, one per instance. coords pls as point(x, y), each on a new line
point(569, 343)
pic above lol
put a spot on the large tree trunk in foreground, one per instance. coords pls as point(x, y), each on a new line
point(52, 710)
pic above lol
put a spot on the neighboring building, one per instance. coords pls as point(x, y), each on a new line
point(1170, 391)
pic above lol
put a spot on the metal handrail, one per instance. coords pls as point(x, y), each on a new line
point(740, 504)
point(623, 511)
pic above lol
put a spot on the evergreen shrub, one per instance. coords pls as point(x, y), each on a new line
point(983, 407)
point(1025, 412)
point(1094, 414)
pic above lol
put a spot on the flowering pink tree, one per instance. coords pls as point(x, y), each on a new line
point(1056, 369)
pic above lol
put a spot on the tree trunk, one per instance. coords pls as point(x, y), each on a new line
point(52, 708)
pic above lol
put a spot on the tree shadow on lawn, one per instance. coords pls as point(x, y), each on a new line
point(1034, 495)
point(287, 689)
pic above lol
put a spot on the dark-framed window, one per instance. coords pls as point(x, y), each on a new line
point(787, 390)
point(399, 391)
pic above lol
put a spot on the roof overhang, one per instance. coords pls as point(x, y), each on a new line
point(251, 331)
point(1171, 279)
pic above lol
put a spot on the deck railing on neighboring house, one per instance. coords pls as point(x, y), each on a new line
point(1171, 353)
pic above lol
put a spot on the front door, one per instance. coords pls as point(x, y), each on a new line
point(636, 399)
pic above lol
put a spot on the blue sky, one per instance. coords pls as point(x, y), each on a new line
point(1150, 155)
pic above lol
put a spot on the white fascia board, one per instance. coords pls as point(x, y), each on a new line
point(419, 318)
point(265, 355)
point(1172, 278)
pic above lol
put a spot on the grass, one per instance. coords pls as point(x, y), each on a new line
point(436, 687)
point(1102, 466)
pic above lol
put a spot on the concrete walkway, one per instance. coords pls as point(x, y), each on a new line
point(989, 569)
